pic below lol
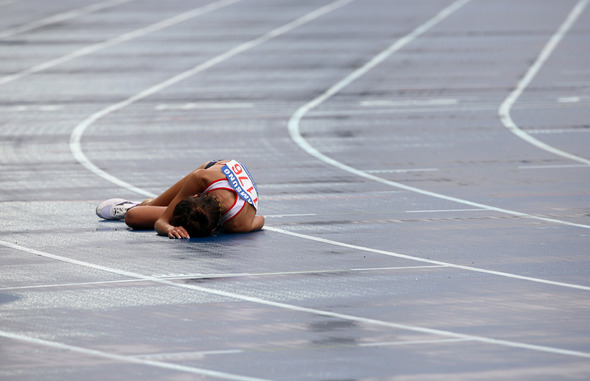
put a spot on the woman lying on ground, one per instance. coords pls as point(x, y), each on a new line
point(218, 194)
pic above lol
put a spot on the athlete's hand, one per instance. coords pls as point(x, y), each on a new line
point(177, 232)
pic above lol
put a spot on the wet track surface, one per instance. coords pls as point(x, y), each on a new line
point(423, 166)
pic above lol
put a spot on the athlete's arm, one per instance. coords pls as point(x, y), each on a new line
point(257, 223)
point(195, 183)
point(246, 226)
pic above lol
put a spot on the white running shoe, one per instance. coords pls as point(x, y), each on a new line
point(114, 209)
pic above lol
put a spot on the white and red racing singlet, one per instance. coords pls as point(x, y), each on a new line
point(241, 181)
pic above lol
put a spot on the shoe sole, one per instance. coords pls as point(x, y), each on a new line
point(106, 206)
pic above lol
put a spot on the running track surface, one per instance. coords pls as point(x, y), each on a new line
point(423, 167)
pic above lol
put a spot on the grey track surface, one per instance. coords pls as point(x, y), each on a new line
point(435, 245)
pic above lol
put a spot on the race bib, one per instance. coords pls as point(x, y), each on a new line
point(240, 180)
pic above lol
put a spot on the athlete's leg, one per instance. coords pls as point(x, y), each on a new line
point(143, 217)
point(166, 198)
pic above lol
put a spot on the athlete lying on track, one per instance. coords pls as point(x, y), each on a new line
point(218, 194)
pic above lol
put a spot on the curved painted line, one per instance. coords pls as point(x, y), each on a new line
point(504, 111)
point(78, 132)
point(294, 125)
point(294, 130)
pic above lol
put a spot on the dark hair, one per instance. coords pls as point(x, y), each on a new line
point(198, 215)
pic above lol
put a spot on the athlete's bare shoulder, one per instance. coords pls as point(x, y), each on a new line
point(213, 166)
point(245, 222)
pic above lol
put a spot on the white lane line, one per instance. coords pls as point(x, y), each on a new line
point(411, 342)
point(68, 285)
point(179, 356)
point(379, 58)
point(553, 166)
point(295, 133)
point(463, 106)
point(568, 100)
point(203, 106)
point(296, 272)
point(120, 39)
point(215, 276)
point(61, 17)
point(128, 359)
point(557, 131)
point(76, 136)
point(430, 261)
point(23, 108)
point(409, 103)
point(504, 111)
point(290, 307)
